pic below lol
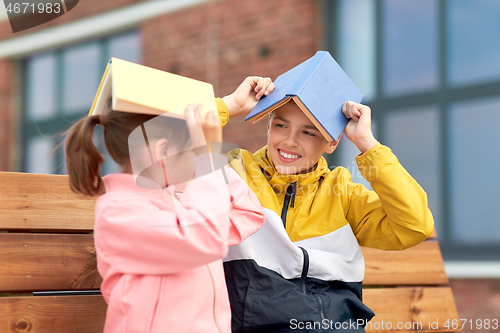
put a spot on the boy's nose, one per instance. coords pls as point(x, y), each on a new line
point(291, 140)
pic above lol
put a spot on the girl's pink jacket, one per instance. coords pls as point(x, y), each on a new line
point(160, 256)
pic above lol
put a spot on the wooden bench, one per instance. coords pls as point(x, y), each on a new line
point(46, 244)
point(409, 289)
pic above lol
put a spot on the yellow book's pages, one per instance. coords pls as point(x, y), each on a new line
point(100, 96)
point(141, 89)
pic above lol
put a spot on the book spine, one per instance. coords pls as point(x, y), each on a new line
point(312, 67)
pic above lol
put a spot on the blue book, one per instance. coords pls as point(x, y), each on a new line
point(319, 87)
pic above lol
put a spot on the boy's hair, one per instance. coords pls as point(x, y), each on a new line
point(84, 160)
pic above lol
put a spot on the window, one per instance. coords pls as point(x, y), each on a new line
point(435, 98)
point(472, 39)
point(61, 85)
point(412, 134)
point(410, 46)
point(41, 88)
point(357, 51)
point(81, 74)
point(474, 154)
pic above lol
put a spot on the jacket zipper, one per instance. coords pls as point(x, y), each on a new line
point(305, 269)
point(290, 192)
point(321, 312)
point(215, 298)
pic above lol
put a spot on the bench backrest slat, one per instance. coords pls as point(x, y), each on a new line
point(67, 261)
point(36, 262)
point(419, 265)
point(82, 314)
point(43, 202)
point(425, 305)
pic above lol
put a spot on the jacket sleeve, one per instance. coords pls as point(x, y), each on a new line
point(246, 214)
point(223, 112)
point(395, 215)
point(137, 237)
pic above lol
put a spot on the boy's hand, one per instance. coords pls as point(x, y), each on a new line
point(359, 129)
point(246, 96)
point(210, 125)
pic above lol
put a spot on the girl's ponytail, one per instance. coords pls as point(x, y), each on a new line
point(83, 159)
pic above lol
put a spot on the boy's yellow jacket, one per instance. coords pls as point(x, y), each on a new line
point(394, 216)
point(305, 264)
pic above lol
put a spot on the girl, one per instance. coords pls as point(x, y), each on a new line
point(160, 255)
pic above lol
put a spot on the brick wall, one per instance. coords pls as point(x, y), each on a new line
point(477, 299)
point(223, 42)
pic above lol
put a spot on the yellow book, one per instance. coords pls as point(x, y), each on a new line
point(141, 89)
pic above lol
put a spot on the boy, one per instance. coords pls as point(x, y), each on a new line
point(304, 269)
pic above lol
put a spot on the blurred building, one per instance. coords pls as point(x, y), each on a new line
point(430, 70)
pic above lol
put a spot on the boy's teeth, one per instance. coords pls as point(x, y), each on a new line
point(285, 155)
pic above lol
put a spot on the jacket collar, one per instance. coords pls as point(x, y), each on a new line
point(125, 182)
point(280, 182)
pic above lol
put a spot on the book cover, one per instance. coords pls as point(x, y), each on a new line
point(319, 87)
point(141, 89)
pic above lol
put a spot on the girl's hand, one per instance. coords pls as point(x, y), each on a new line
point(246, 96)
point(210, 124)
point(359, 129)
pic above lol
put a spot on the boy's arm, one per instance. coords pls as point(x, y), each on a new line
point(244, 98)
point(223, 111)
point(395, 215)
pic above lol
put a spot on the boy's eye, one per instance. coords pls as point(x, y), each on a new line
point(308, 133)
point(280, 125)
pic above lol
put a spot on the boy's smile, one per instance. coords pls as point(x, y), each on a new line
point(293, 142)
point(287, 155)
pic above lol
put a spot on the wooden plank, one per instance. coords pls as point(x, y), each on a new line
point(427, 309)
point(76, 314)
point(433, 235)
point(31, 262)
point(419, 265)
point(42, 202)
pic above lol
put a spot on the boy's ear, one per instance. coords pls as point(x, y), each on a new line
point(269, 120)
point(332, 146)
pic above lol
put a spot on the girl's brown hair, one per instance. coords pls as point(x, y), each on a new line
point(84, 160)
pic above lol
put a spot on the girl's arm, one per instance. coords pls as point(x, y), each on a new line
point(137, 237)
point(245, 207)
